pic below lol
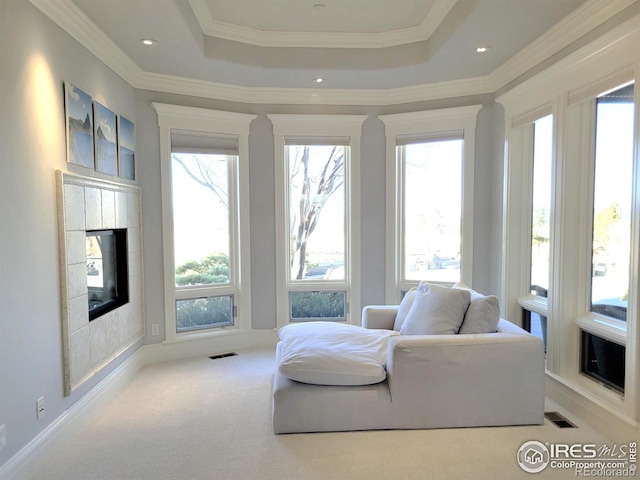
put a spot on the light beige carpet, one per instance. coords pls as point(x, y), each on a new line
point(210, 419)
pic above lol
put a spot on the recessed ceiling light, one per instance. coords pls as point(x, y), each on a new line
point(318, 80)
point(482, 49)
point(148, 41)
point(319, 6)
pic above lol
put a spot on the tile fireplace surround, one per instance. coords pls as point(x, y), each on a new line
point(91, 204)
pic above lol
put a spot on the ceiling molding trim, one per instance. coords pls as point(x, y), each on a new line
point(314, 96)
point(568, 30)
point(263, 38)
point(603, 52)
point(67, 15)
point(72, 20)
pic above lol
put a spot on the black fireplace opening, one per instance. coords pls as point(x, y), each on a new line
point(107, 270)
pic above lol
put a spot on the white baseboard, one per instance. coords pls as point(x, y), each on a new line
point(26, 463)
point(30, 459)
point(210, 345)
point(610, 424)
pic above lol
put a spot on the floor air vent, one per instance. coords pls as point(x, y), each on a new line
point(558, 420)
point(223, 355)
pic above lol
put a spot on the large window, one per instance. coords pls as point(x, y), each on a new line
point(203, 207)
point(317, 200)
point(572, 205)
point(205, 212)
point(612, 202)
point(432, 206)
point(430, 172)
point(541, 205)
point(538, 169)
point(592, 276)
point(316, 218)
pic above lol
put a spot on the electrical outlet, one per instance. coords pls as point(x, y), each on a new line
point(3, 436)
point(155, 329)
point(40, 407)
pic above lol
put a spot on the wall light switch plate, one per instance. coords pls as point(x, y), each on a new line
point(40, 407)
point(3, 436)
point(155, 329)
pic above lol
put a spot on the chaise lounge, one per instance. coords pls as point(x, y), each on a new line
point(430, 381)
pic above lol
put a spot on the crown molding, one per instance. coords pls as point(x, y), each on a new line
point(313, 96)
point(607, 52)
point(264, 38)
point(71, 19)
point(575, 25)
point(404, 121)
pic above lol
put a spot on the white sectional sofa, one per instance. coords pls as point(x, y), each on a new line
point(432, 381)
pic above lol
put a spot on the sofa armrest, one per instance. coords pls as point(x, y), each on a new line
point(475, 380)
point(379, 316)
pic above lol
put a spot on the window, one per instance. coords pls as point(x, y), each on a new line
point(570, 211)
point(432, 206)
point(612, 202)
point(541, 205)
point(317, 165)
point(603, 360)
point(205, 211)
point(430, 173)
point(536, 324)
point(538, 168)
point(529, 215)
point(593, 304)
point(203, 205)
point(316, 218)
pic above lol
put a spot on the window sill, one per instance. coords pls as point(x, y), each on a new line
point(604, 327)
point(204, 334)
point(535, 304)
point(594, 391)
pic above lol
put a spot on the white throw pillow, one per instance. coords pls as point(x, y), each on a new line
point(483, 313)
point(436, 310)
point(329, 353)
point(403, 309)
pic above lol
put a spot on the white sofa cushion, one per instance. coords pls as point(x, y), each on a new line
point(483, 313)
point(436, 310)
point(329, 353)
point(403, 309)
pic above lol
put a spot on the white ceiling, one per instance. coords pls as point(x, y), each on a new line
point(321, 15)
point(395, 46)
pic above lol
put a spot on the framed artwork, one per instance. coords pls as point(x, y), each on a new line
point(126, 148)
point(79, 123)
point(105, 139)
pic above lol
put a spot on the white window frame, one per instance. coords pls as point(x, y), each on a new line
point(571, 92)
point(432, 124)
point(518, 201)
point(322, 127)
point(208, 122)
point(582, 104)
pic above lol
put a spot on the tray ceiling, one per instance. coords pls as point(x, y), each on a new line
point(368, 51)
point(322, 23)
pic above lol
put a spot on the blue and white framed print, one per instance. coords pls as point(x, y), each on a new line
point(79, 125)
point(126, 148)
point(105, 140)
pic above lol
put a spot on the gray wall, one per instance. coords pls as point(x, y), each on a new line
point(262, 198)
point(36, 57)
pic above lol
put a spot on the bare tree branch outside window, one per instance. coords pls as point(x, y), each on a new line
point(312, 185)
